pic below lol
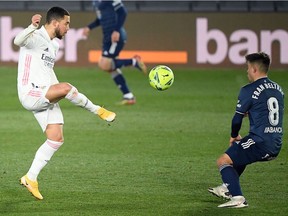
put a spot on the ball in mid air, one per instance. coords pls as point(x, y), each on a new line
point(161, 77)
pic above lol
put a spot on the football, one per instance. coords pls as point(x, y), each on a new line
point(161, 77)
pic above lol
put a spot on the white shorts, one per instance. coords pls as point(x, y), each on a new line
point(44, 111)
point(52, 115)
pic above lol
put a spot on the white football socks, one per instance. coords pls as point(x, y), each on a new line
point(42, 157)
point(81, 100)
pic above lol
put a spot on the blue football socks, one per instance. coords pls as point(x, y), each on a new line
point(121, 83)
point(231, 178)
point(122, 62)
point(239, 169)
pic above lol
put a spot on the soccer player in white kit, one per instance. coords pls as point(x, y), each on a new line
point(39, 90)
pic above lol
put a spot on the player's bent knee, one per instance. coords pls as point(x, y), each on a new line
point(66, 87)
point(224, 159)
point(105, 64)
point(104, 67)
point(72, 92)
point(54, 132)
point(219, 162)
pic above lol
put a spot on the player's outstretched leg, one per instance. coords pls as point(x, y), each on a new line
point(136, 61)
point(81, 100)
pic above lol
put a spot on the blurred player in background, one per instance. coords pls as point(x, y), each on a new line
point(263, 101)
point(39, 90)
point(111, 16)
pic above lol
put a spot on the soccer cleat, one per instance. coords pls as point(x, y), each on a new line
point(32, 186)
point(106, 115)
point(220, 191)
point(140, 64)
point(235, 202)
point(128, 101)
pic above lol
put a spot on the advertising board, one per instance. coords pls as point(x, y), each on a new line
point(187, 39)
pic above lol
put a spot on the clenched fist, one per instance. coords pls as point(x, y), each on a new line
point(36, 20)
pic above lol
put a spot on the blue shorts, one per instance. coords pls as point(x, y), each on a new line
point(248, 151)
point(112, 50)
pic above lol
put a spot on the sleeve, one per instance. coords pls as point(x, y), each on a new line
point(244, 102)
point(24, 37)
point(242, 107)
point(121, 15)
point(236, 124)
point(94, 24)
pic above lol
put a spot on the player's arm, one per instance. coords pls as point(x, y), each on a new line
point(24, 37)
point(94, 24)
point(88, 28)
point(235, 127)
point(242, 108)
point(121, 17)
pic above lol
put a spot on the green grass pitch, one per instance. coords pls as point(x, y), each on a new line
point(157, 158)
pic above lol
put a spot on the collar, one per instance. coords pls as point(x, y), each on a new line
point(45, 33)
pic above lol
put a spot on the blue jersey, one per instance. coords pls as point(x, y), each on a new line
point(263, 100)
point(111, 16)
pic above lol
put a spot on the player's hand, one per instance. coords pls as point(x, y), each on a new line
point(36, 19)
point(115, 36)
point(234, 139)
point(86, 31)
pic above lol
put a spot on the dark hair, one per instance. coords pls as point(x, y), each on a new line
point(56, 13)
point(261, 58)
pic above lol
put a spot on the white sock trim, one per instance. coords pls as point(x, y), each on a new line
point(72, 93)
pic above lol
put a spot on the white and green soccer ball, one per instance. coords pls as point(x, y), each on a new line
point(161, 77)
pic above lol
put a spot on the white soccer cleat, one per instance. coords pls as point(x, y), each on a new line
point(235, 202)
point(221, 191)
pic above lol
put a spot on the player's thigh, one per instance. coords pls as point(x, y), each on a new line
point(245, 152)
point(112, 49)
point(58, 91)
point(53, 115)
point(35, 100)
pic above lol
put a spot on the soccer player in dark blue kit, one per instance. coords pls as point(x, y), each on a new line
point(263, 101)
point(111, 16)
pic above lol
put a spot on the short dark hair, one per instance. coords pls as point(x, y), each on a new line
point(261, 58)
point(56, 13)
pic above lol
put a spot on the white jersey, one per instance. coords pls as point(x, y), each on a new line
point(36, 60)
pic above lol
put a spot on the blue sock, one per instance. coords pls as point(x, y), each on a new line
point(122, 62)
point(231, 178)
point(121, 83)
point(240, 169)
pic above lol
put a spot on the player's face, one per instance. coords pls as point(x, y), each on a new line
point(62, 27)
